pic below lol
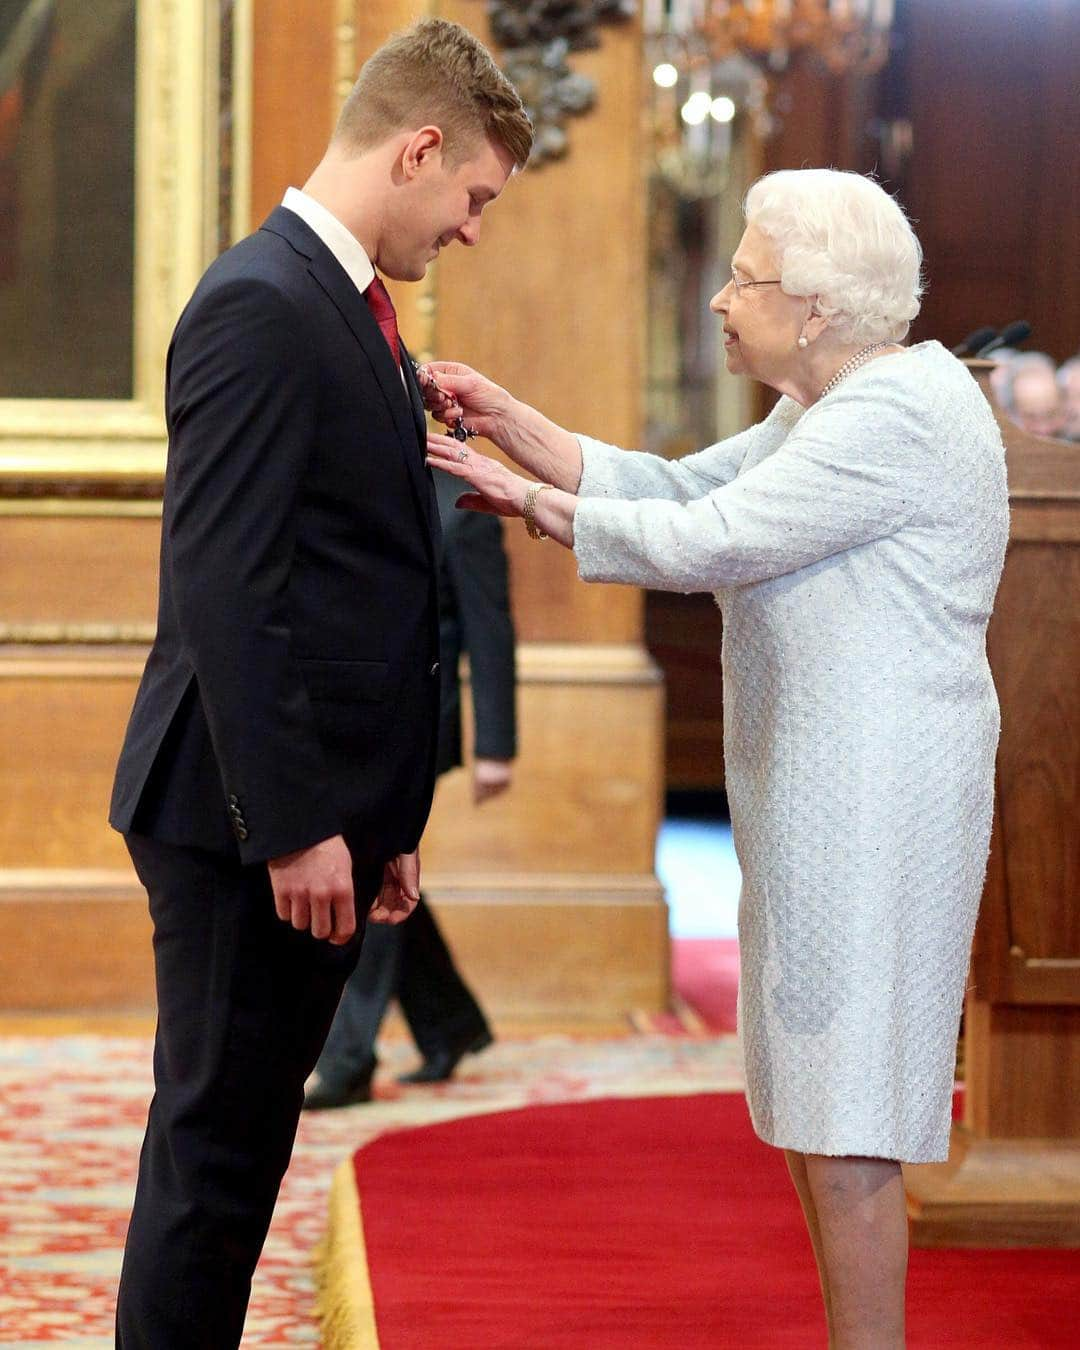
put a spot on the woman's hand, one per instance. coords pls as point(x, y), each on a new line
point(497, 490)
point(454, 391)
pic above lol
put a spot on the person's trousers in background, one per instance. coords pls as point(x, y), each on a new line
point(244, 1005)
point(410, 962)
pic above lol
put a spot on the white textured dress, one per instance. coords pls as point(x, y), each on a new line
point(855, 549)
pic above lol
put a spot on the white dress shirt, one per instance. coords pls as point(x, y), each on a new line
point(341, 242)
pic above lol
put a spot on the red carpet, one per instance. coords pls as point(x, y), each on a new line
point(639, 1224)
point(705, 975)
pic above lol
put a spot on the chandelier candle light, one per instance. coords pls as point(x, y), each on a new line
point(845, 34)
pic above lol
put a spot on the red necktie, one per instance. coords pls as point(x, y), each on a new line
point(382, 307)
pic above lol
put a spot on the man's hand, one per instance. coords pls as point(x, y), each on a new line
point(400, 890)
point(313, 889)
point(490, 777)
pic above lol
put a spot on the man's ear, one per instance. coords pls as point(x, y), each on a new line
point(423, 149)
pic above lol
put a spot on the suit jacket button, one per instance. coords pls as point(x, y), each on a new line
point(233, 799)
point(241, 832)
point(434, 668)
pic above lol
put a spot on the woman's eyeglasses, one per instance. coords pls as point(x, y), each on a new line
point(742, 283)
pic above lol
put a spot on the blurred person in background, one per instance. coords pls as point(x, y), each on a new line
point(1033, 398)
point(411, 962)
point(1068, 378)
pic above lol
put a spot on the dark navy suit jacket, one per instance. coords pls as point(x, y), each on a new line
point(292, 690)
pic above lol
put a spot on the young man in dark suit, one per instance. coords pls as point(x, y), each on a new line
point(279, 763)
point(412, 962)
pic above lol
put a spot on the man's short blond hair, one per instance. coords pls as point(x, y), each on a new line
point(435, 73)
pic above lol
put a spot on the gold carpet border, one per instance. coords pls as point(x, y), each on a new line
point(344, 1301)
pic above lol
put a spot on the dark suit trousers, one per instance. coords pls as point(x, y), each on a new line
point(437, 1003)
point(244, 1005)
point(412, 962)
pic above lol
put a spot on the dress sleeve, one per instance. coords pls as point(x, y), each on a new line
point(855, 468)
point(630, 474)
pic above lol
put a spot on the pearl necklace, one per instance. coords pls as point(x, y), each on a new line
point(853, 363)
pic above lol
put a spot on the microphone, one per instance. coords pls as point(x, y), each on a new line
point(1009, 336)
point(974, 341)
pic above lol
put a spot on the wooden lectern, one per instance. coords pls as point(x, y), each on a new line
point(1013, 1175)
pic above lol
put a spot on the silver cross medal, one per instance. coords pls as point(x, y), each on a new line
point(427, 380)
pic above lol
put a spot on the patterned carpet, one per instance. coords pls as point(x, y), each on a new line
point(72, 1118)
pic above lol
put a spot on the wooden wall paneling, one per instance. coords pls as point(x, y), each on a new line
point(586, 794)
point(293, 97)
point(684, 634)
point(993, 182)
point(74, 940)
point(1033, 1045)
point(1055, 273)
point(565, 857)
point(585, 935)
point(70, 565)
point(62, 716)
point(822, 119)
point(1040, 750)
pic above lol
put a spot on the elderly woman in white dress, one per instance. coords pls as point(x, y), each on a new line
point(854, 540)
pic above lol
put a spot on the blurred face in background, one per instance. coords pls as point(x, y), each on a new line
point(1037, 404)
point(1071, 400)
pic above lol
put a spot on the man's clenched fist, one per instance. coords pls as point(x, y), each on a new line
point(313, 890)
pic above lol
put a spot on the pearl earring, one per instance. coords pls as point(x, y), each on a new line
point(804, 342)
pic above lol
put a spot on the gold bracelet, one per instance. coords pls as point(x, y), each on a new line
point(529, 511)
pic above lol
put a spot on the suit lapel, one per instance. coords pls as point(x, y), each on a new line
point(415, 397)
point(332, 278)
point(425, 485)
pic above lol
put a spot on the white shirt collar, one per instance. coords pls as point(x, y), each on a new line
point(341, 242)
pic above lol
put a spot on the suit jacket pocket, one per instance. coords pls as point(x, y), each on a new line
point(346, 681)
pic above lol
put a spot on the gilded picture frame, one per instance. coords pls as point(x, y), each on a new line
point(190, 199)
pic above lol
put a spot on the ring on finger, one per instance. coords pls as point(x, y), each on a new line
point(463, 454)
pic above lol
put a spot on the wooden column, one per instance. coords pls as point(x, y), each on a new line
point(1013, 1178)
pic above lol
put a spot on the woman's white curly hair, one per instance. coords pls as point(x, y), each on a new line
point(842, 239)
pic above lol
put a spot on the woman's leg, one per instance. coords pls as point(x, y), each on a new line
point(797, 1167)
point(862, 1221)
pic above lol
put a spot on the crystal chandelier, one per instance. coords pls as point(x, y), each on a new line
point(713, 64)
point(845, 34)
